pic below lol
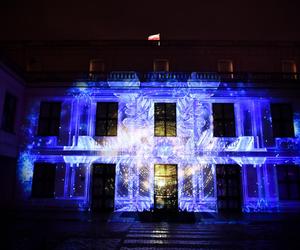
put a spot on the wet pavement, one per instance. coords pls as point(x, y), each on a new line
point(68, 231)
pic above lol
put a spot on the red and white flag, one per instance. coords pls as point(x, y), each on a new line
point(155, 37)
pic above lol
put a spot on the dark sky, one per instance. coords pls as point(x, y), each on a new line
point(135, 19)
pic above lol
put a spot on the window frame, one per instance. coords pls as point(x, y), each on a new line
point(228, 74)
point(9, 113)
point(95, 61)
point(165, 119)
point(106, 119)
point(43, 187)
point(288, 182)
point(49, 119)
point(281, 122)
point(167, 68)
point(224, 121)
point(289, 74)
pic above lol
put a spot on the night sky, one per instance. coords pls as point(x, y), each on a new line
point(136, 19)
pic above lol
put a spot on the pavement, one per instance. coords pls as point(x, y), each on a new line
point(79, 230)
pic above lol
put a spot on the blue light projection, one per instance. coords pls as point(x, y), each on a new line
point(135, 150)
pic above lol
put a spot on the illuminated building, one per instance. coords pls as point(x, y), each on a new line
point(197, 141)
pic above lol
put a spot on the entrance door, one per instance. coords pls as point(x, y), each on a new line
point(103, 187)
point(165, 187)
point(229, 188)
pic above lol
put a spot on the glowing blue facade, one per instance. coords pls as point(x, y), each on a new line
point(135, 150)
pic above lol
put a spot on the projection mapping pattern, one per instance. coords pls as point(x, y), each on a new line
point(135, 150)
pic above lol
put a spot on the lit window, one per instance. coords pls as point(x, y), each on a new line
point(43, 181)
point(9, 111)
point(289, 69)
point(49, 119)
point(224, 120)
point(106, 119)
point(282, 120)
point(288, 177)
point(165, 119)
point(96, 66)
point(161, 65)
point(225, 68)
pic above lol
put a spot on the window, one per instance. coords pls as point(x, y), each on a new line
point(165, 119)
point(49, 119)
point(96, 69)
point(106, 119)
point(289, 69)
point(96, 66)
point(282, 120)
point(288, 177)
point(161, 65)
point(225, 68)
point(103, 187)
point(229, 187)
point(9, 111)
point(34, 64)
point(224, 122)
point(43, 181)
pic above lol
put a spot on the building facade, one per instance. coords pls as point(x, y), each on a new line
point(12, 90)
point(126, 140)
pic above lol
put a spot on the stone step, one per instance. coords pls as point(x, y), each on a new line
point(171, 229)
point(173, 232)
point(175, 236)
point(192, 244)
point(178, 243)
point(160, 248)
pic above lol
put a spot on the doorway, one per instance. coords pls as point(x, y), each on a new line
point(165, 187)
point(103, 187)
point(229, 188)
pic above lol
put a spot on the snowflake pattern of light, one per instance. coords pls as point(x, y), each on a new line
point(135, 150)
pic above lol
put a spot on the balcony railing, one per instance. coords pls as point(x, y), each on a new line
point(235, 78)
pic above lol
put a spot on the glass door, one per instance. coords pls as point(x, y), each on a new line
point(103, 187)
point(165, 187)
point(229, 188)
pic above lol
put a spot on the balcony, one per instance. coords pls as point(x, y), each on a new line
point(234, 79)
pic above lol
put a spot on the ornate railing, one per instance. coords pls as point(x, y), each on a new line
point(229, 77)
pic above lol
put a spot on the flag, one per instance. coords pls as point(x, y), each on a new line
point(155, 37)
